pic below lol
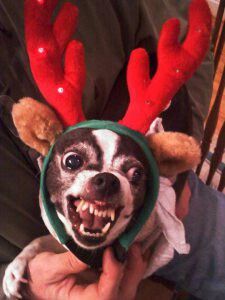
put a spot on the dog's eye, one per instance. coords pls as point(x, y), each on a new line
point(134, 175)
point(72, 161)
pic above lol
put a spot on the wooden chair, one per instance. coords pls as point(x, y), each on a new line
point(215, 159)
point(212, 120)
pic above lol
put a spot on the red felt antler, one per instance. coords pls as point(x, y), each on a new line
point(61, 86)
point(176, 64)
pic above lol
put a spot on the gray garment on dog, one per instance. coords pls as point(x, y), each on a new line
point(202, 271)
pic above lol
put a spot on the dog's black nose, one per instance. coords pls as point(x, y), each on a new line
point(106, 184)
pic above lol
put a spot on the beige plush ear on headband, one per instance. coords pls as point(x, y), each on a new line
point(37, 125)
point(174, 152)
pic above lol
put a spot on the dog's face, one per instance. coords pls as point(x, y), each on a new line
point(97, 181)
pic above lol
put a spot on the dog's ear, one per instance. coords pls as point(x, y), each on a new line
point(174, 152)
point(37, 125)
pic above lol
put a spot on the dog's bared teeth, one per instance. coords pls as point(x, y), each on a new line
point(82, 228)
point(107, 213)
point(87, 233)
point(91, 209)
point(85, 206)
point(104, 213)
point(113, 214)
point(100, 213)
point(106, 227)
point(110, 212)
point(95, 234)
point(80, 205)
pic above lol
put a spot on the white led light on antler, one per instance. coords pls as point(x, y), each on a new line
point(60, 90)
point(41, 50)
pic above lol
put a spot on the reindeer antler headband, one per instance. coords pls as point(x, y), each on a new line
point(62, 86)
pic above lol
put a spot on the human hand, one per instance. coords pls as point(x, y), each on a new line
point(56, 277)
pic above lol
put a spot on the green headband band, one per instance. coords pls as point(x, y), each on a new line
point(126, 238)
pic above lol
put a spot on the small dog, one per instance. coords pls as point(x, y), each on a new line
point(96, 180)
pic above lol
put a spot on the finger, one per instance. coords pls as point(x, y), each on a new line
point(133, 272)
point(111, 276)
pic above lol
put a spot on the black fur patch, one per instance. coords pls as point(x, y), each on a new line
point(129, 148)
point(55, 184)
point(78, 136)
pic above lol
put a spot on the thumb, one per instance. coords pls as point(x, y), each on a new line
point(134, 272)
